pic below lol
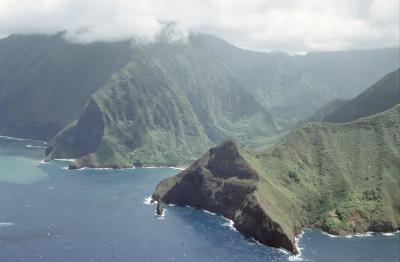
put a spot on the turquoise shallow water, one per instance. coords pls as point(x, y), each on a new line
point(48, 213)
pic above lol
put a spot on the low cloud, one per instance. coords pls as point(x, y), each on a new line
point(291, 26)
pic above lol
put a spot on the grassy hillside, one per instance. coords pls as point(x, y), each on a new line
point(381, 96)
point(167, 106)
point(342, 178)
point(45, 81)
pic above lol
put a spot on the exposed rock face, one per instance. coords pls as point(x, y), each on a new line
point(222, 181)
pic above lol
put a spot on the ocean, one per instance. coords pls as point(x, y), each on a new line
point(49, 213)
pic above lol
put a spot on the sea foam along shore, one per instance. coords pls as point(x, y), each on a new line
point(172, 167)
point(116, 169)
point(391, 234)
point(22, 139)
point(366, 234)
point(231, 225)
point(298, 257)
point(33, 146)
point(6, 224)
point(109, 168)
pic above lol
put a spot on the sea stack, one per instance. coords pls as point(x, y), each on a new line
point(160, 208)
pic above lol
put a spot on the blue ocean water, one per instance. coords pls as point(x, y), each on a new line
point(48, 213)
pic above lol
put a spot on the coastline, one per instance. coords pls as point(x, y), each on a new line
point(366, 234)
point(22, 139)
point(229, 223)
point(292, 257)
point(44, 161)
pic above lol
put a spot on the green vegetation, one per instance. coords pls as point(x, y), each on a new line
point(342, 178)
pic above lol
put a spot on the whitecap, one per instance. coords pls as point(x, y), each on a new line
point(209, 212)
point(230, 224)
point(33, 146)
point(329, 235)
point(22, 139)
point(147, 201)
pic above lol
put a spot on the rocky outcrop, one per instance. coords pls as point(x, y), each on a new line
point(224, 182)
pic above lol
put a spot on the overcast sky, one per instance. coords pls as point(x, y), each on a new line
point(268, 25)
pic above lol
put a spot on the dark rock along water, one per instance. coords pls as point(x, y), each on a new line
point(48, 213)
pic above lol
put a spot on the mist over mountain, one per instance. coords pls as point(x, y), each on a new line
point(381, 96)
point(294, 87)
point(193, 93)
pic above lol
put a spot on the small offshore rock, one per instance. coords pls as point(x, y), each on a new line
point(160, 208)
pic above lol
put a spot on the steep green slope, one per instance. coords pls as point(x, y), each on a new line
point(46, 81)
point(166, 107)
point(381, 96)
point(292, 88)
point(342, 178)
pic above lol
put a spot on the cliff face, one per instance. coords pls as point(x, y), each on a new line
point(341, 178)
